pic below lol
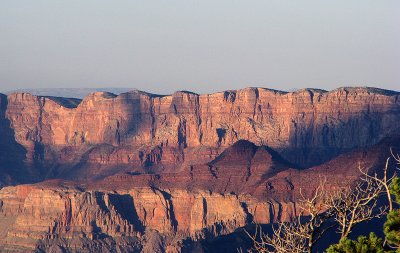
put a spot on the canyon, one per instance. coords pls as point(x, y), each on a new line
point(140, 172)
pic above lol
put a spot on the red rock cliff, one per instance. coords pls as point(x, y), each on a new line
point(307, 126)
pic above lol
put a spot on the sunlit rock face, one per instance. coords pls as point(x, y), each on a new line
point(147, 173)
point(33, 213)
point(142, 130)
point(169, 212)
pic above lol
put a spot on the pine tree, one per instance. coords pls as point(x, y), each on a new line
point(371, 244)
point(392, 228)
point(392, 225)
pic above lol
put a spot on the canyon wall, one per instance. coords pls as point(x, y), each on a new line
point(170, 212)
point(153, 173)
point(307, 127)
point(44, 213)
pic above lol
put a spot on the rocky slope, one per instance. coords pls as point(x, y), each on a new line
point(147, 173)
point(105, 133)
point(53, 213)
point(171, 211)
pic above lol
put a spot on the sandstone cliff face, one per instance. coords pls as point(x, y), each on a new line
point(40, 213)
point(307, 126)
point(157, 172)
point(139, 212)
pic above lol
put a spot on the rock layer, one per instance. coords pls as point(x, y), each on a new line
point(139, 212)
point(141, 130)
point(159, 173)
point(41, 213)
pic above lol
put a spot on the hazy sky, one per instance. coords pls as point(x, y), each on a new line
point(202, 46)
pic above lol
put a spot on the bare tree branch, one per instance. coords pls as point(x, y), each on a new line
point(346, 208)
point(300, 235)
point(357, 204)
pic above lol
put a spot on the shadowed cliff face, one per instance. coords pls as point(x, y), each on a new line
point(12, 154)
point(105, 133)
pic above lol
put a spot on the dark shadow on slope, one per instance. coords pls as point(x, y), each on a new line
point(66, 102)
point(239, 239)
point(125, 206)
point(12, 154)
point(309, 146)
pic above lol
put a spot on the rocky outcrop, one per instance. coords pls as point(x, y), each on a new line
point(42, 213)
point(161, 173)
point(146, 212)
point(307, 127)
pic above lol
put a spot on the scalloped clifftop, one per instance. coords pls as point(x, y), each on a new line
point(307, 127)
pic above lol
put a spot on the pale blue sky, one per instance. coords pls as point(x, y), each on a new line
point(202, 46)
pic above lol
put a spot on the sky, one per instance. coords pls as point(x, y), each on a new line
point(203, 46)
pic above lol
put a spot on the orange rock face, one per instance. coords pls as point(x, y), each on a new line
point(49, 213)
point(150, 172)
point(307, 127)
point(236, 191)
